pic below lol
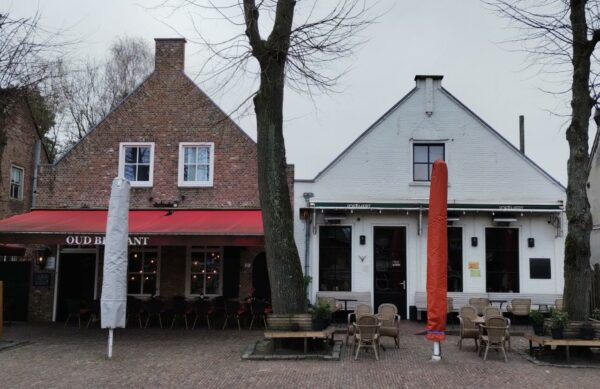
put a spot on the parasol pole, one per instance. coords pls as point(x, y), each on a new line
point(110, 343)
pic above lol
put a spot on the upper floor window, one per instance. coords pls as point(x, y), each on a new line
point(424, 154)
point(196, 164)
point(136, 163)
point(16, 183)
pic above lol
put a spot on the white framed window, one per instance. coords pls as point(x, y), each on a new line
point(16, 182)
point(143, 273)
point(204, 271)
point(196, 164)
point(136, 163)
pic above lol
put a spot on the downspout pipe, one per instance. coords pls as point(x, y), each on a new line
point(34, 181)
point(307, 196)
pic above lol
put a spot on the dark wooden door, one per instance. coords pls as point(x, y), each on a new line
point(75, 281)
point(15, 276)
point(389, 256)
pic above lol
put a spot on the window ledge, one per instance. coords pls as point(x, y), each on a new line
point(422, 183)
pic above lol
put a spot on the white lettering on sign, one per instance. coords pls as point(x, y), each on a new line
point(99, 240)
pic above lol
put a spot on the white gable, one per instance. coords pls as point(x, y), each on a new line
point(483, 167)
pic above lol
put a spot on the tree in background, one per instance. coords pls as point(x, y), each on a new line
point(563, 36)
point(85, 91)
point(296, 52)
point(27, 55)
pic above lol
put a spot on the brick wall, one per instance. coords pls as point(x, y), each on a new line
point(19, 151)
point(168, 108)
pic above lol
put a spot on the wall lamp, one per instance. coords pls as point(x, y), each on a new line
point(41, 257)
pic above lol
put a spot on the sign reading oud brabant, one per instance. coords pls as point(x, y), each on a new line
point(91, 240)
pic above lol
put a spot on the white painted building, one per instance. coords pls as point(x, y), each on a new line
point(361, 223)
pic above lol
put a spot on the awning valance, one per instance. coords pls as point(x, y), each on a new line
point(158, 224)
point(416, 206)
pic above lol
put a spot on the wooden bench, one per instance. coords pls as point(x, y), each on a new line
point(543, 341)
point(461, 299)
point(327, 333)
point(360, 297)
point(289, 322)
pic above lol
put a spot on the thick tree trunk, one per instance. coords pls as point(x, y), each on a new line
point(577, 243)
point(283, 261)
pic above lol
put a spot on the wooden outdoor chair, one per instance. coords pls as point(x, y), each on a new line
point(480, 303)
point(468, 329)
point(389, 321)
point(361, 309)
point(367, 334)
point(495, 329)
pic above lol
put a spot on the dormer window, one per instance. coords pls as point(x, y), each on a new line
point(424, 155)
point(136, 163)
point(196, 164)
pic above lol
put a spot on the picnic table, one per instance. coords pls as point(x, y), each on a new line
point(327, 333)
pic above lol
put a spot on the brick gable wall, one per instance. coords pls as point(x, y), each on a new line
point(167, 109)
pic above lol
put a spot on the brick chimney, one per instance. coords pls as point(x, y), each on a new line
point(170, 54)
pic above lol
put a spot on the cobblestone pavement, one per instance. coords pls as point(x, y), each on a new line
point(201, 358)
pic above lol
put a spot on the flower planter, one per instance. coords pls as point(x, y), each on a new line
point(319, 324)
point(557, 333)
point(538, 328)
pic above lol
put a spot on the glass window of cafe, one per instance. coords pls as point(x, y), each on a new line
point(142, 271)
point(335, 258)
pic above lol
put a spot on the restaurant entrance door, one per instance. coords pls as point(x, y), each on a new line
point(75, 281)
point(389, 256)
point(15, 276)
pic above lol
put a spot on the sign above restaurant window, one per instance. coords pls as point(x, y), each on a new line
point(93, 240)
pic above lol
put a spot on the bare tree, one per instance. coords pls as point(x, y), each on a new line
point(88, 90)
point(130, 61)
point(564, 35)
point(27, 51)
point(297, 52)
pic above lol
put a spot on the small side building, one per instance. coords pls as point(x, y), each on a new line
point(22, 150)
point(361, 223)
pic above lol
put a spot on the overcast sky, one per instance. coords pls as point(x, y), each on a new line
point(461, 40)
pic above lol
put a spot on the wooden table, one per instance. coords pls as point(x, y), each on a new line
point(543, 341)
point(501, 302)
point(346, 302)
point(327, 333)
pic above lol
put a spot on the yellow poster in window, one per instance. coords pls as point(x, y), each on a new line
point(473, 265)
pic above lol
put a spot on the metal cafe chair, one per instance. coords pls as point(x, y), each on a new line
point(257, 311)
point(201, 309)
point(74, 311)
point(154, 308)
point(180, 310)
point(135, 310)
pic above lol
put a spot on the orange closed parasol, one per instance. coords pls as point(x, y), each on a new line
point(437, 256)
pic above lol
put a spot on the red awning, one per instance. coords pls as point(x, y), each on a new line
point(12, 250)
point(237, 223)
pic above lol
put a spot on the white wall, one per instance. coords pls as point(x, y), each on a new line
point(482, 169)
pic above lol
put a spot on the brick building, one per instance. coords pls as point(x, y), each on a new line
point(195, 221)
point(22, 147)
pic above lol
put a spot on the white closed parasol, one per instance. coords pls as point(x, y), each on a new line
point(114, 281)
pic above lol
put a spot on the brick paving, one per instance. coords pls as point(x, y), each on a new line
point(202, 358)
